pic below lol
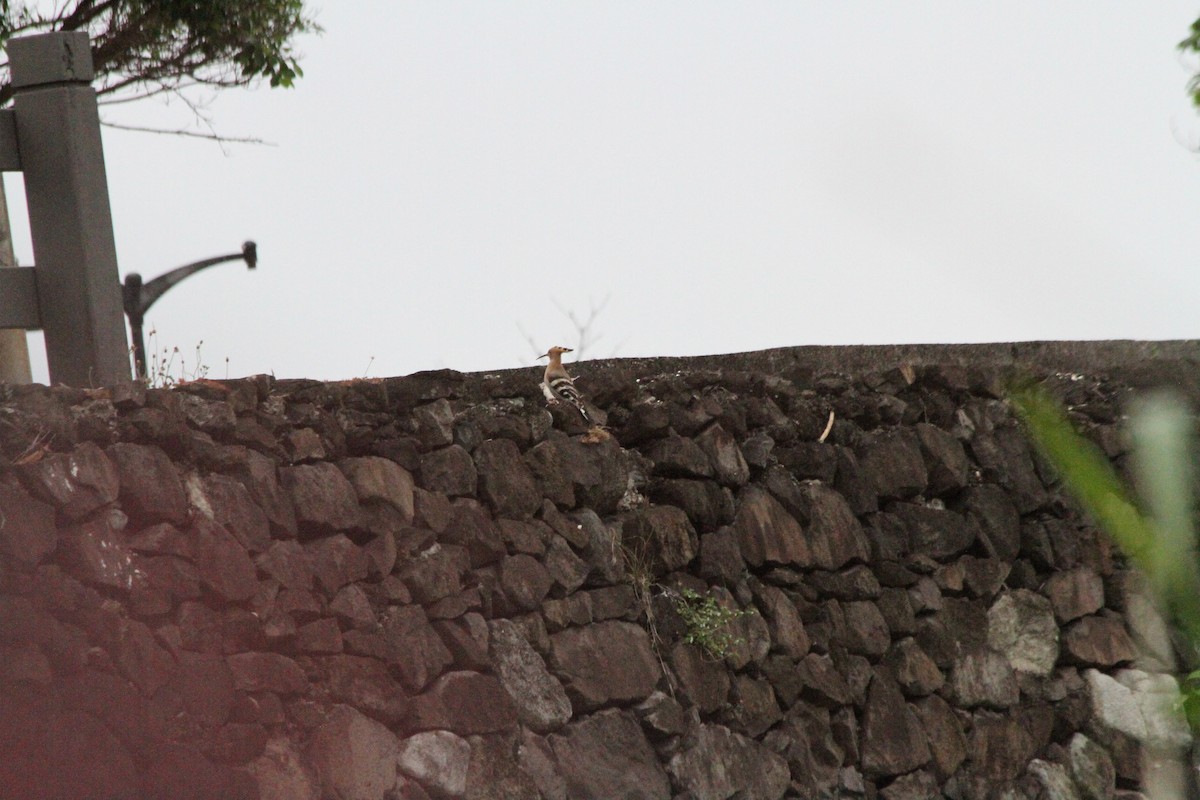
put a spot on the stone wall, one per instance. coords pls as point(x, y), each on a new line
point(435, 587)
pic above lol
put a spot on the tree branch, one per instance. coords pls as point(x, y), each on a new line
point(216, 137)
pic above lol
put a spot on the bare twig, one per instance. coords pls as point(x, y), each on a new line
point(585, 336)
point(216, 137)
point(584, 327)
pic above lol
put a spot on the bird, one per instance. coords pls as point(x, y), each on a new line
point(557, 384)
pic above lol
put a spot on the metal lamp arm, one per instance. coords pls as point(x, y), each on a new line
point(156, 288)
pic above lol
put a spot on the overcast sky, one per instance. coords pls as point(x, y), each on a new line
point(451, 176)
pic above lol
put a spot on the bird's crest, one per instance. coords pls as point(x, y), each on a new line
point(557, 350)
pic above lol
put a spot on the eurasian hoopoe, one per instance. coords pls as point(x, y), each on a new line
point(557, 384)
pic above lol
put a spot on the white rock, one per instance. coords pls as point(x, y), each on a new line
point(1056, 785)
point(438, 760)
point(1157, 695)
point(1150, 630)
point(542, 703)
point(1021, 625)
point(1114, 705)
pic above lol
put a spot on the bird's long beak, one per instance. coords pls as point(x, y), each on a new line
point(543, 355)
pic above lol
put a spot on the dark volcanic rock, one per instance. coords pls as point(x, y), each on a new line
point(47, 751)
point(944, 731)
point(140, 658)
point(1021, 626)
point(567, 570)
point(472, 527)
point(834, 533)
point(266, 672)
point(783, 621)
point(894, 740)
point(450, 471)
point(380, 480)
point(662, 536)
point(1006, 458)
point(892, 463)
point(702, 679)
point(720, 556)
point(258, 474)
point(505, 482)
point(823, 685)
point(28, 534)
point(998, 522)
point(407, 643)
point(754, 709)
point(767, 533)
point(805, 738)
point(1075, 593)
point(984, 677)
point(435, 573)
point(604, 662)
point(1098, 641)
point(324, 500)
point(94, 553)
point(524, 582)
point(151, 489)
point(810, 460)
point(945, 460)
point(707, 504)
point(935, 532)
point(607, 755)
point(495, 771)
point(431, 587)
point(366, 684)
point(466, 703)
point(1002, 744)
point(915, 672)
point(77, 483)
point(286, 562)
point(865, 631)
point(354, 756)
point(224, 566)
point(576, 474)
point(917, 785)
point(677, 457)
point(230, 504)
point(337, 561)
point(720, 763)
point(723, 453)
point(853, 484)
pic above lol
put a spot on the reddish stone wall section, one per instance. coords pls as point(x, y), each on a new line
point(434, 587)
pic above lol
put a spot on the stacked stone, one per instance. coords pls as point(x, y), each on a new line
point(435, 587)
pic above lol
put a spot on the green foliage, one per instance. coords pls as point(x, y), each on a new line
point(145, 47)
point(1159, 539)
point(708, 622)
point(1086, 471)
point(1189, 699)
point(1192, 45)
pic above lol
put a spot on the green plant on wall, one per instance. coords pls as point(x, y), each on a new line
point(709, 624)
point(1159, 537)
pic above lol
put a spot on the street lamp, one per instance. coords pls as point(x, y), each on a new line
point(137, 297)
